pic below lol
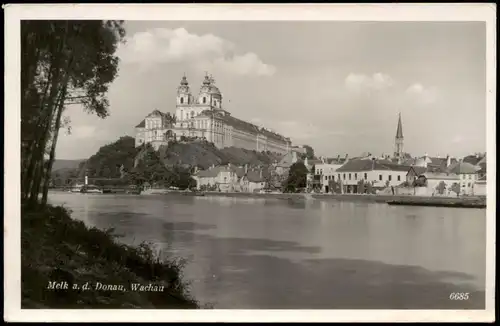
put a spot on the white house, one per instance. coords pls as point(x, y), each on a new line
point(468, 175)
point(231, 178)
point(480, 187)
point(437, 184)
point(380, 173)
point(252, 181)
point(324, 171)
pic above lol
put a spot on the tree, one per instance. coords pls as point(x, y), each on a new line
point(297, 177)
point(63, 62)
point(455, 187)
point(369, 188)
point(361, 187)
point(309, 152)
point(441, 187)
point(334, 186)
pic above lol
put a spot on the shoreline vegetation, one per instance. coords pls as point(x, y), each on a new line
point(60, 255)
point(65, 264)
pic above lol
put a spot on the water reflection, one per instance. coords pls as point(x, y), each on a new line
point(275, 253)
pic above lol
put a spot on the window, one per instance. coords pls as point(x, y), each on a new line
point(390, 177)
point(399, 178)
point(339, 176)
point(470, 176)
point(380, 177)
point(468, 185)
point(326, 177)
point(192, 114)
point(355, 176)
point(366, 176)
point(182, 100)
point(349, 176)
point(204, 100)
point(344, 176)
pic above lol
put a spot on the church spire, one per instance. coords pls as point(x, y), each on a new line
point(398, 150)
point(399, 131)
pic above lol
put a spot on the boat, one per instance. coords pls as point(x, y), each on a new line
point(439, 203)
point(77, 188)
point(91, 189)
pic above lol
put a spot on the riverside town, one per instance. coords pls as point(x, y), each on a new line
point(200, 165)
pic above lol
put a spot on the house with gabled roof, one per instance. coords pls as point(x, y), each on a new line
point(480, 187)
point(468, 175)
point(231, 178)
point(380, 173)
point(323, 172)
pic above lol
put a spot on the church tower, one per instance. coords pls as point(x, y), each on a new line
point(184, 96)
point(398, 148)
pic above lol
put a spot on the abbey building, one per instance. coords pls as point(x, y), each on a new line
point(204, 117)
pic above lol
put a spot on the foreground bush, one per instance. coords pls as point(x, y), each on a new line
point(56, 248)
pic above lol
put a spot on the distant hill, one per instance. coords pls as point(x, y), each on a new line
point(66, 164)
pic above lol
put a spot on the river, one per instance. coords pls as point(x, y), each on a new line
point(252, 253)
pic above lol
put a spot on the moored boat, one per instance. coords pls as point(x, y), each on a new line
point(91, 189)
point(439, 202)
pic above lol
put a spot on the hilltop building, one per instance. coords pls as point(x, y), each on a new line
point(204, 117)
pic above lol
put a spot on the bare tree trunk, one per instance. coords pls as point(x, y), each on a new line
point(37, 151)
point(50, 163)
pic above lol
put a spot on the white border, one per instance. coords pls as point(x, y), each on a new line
point(289, 12)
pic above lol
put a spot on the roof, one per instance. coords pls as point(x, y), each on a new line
point(243, 125)
point(482, 161)
point(463, 168)
point(481, 180)
point(255, 176)
point(336, 160)
point(418, 169)
point(369, 165)
point(441, 176)
point(399, 131)
point(142, 124)
point(473, 159)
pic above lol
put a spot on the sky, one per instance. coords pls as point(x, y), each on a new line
point(336, 86)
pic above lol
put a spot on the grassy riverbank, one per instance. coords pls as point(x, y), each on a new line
point(56, 248)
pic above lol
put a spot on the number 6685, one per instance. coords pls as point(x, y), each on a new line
point(459, 296)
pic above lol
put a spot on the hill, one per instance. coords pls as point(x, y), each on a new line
point(204, 154)
point(66, 164)
point(108, 161)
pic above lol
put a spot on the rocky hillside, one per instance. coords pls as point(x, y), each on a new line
point(107, 161)
point(66, 164)
point(203, 155)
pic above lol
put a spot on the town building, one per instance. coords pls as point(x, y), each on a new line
point(436, 184)
point(468, 175)
point(204, 117)
point(231, 178)
point(480, 187)
point(324, 171)
point(380, 173)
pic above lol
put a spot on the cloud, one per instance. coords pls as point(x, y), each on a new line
point(162, 45)
point(83, 131)
point(426, 95)
point(364, 83)
point(300, 131)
